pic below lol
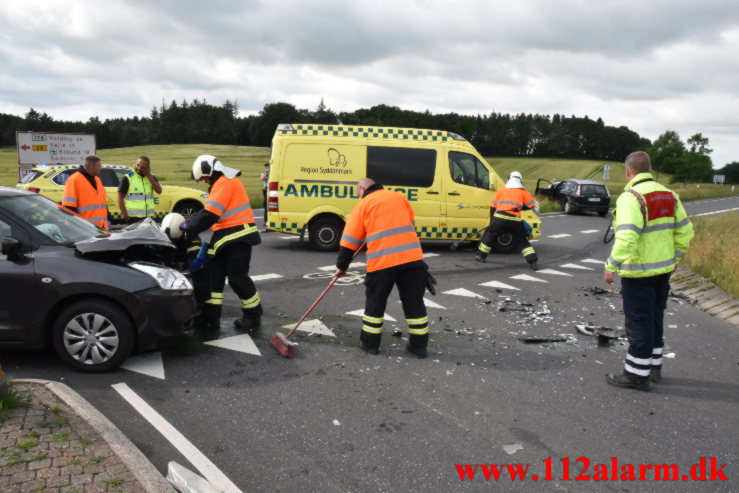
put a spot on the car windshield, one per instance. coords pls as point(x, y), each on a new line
point(593, 190)
point(53, 221)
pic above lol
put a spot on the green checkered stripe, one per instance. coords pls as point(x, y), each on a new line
point(376, 132)
point(433, 233)
point(294, 228)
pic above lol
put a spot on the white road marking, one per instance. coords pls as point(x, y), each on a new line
point(592, 261)
point(432, 304)
point(333, 267)
point(526, 277)
point(426, 255)
point(313, 326)
point(265, 277)
point(241, 343)
point(715, 212)
point(360, 313)
point(590, 231)
point(574, 266)
point(149, 364)
point(498, 284)
point(672, 326)
point(553, 272)
point(563, 235)
point(464, 292)
point(186, 448)
point(289, 237)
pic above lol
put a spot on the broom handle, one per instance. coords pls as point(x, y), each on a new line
point(333, 281)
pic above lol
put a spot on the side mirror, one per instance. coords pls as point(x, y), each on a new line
point(11, 247)
point(491, 186)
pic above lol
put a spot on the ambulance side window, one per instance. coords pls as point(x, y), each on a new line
point(62, 177)
point(401, 166)
point(468, 170)
point(108, 177)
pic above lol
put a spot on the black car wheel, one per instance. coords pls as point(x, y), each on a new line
point(93, 336)
point(603, 213)
point(503, 243)
point(568, 208)
point(325, 233)
point(188, 208)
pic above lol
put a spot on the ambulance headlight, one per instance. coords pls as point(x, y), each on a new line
point(166, 277)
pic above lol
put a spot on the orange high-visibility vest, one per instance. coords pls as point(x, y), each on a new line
point(384, 219)
point(229, 200)
point(91, 203)
point(512, 201)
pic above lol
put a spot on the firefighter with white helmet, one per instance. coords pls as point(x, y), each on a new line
point(227, 225)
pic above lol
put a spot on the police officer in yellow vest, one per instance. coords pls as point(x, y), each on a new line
point(136, 192)
point(652, 235)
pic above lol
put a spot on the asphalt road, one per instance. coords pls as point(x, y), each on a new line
point(337, 419)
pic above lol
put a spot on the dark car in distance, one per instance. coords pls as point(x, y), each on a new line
point(93, 295)
point(576, 195)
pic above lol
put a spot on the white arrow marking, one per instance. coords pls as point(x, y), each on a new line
point(575, 266)
point(432, 304)
point(149, 364)
point(526, 277)
point(426, 255)
point(592, 261)
point(241, 343)
point(590, 231)
point(464, 292)
point(563, 235)
point(264, 277)
point(498, 284)
point(554, 272)
point(313, 326)
point(289, 237)
point(360, 313)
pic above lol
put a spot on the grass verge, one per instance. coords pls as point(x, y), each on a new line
point(714, 250)
point(9, 399)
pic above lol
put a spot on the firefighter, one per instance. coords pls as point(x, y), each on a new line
point(84, 193)
point(230, 232)
point(652, 235)
point(385, 220)
point(505, 217)
point(136, 192)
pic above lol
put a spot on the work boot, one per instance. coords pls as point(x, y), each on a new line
point(420, 352)
point(203, 324)
point(627, 383)
point(248, 323)
point(655, 375)
point(479, 257)
point(368, 349)
point(533, 265)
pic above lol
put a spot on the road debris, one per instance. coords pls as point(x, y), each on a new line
point(541, 340)
point(337, 423)
point(512, 449)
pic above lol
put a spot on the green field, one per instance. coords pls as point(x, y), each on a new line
point(172, 165)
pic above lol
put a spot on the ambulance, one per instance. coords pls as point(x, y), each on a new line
point(314, 169)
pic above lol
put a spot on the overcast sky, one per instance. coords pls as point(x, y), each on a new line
point(652, 65)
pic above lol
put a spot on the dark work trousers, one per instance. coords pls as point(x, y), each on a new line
point(411, 284)
point(232, 261)
point(499, 227)
point(645, 300)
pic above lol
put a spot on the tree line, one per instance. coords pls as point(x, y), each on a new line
point(493, 134)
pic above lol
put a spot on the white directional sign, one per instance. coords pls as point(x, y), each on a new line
point(52, 148)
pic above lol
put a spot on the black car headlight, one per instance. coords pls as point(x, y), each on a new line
point(166, 277)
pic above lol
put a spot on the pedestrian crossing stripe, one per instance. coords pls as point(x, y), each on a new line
point(592, 261)
point(465, 292)
point(553, 272)
point(574, 266)
point(498, 284)
point(526, 277)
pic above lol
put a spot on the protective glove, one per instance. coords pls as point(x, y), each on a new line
point(183, 226)
point(430, 283)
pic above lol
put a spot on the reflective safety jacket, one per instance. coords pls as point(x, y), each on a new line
point(652, 230)
point(509, 202)
point(89, 202)
point(229, 201)
point(384, 219)
point(140, 196)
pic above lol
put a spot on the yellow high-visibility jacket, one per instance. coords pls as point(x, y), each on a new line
point(652, 230)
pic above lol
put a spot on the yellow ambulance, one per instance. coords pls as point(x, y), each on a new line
point(314, 169)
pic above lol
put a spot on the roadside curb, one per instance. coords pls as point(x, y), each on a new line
point(150, 478)
point(705, 295)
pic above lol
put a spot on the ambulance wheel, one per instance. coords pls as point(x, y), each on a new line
point(325, 233)
point(93, 336)
point(187, 208)
point(504, 243)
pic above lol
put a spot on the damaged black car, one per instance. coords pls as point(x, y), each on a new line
point(93, 295)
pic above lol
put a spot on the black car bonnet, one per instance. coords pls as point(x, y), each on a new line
point(145, 232)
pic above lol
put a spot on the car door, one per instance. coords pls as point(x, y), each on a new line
point(18, 283)
point(468, 193)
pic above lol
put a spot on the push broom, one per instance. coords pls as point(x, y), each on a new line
point(282, 342)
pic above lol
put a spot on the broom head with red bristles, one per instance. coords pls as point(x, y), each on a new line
point(283, 345)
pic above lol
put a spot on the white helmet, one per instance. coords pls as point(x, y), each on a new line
point(515, 174)
point(205, 165)
point(171, 225)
